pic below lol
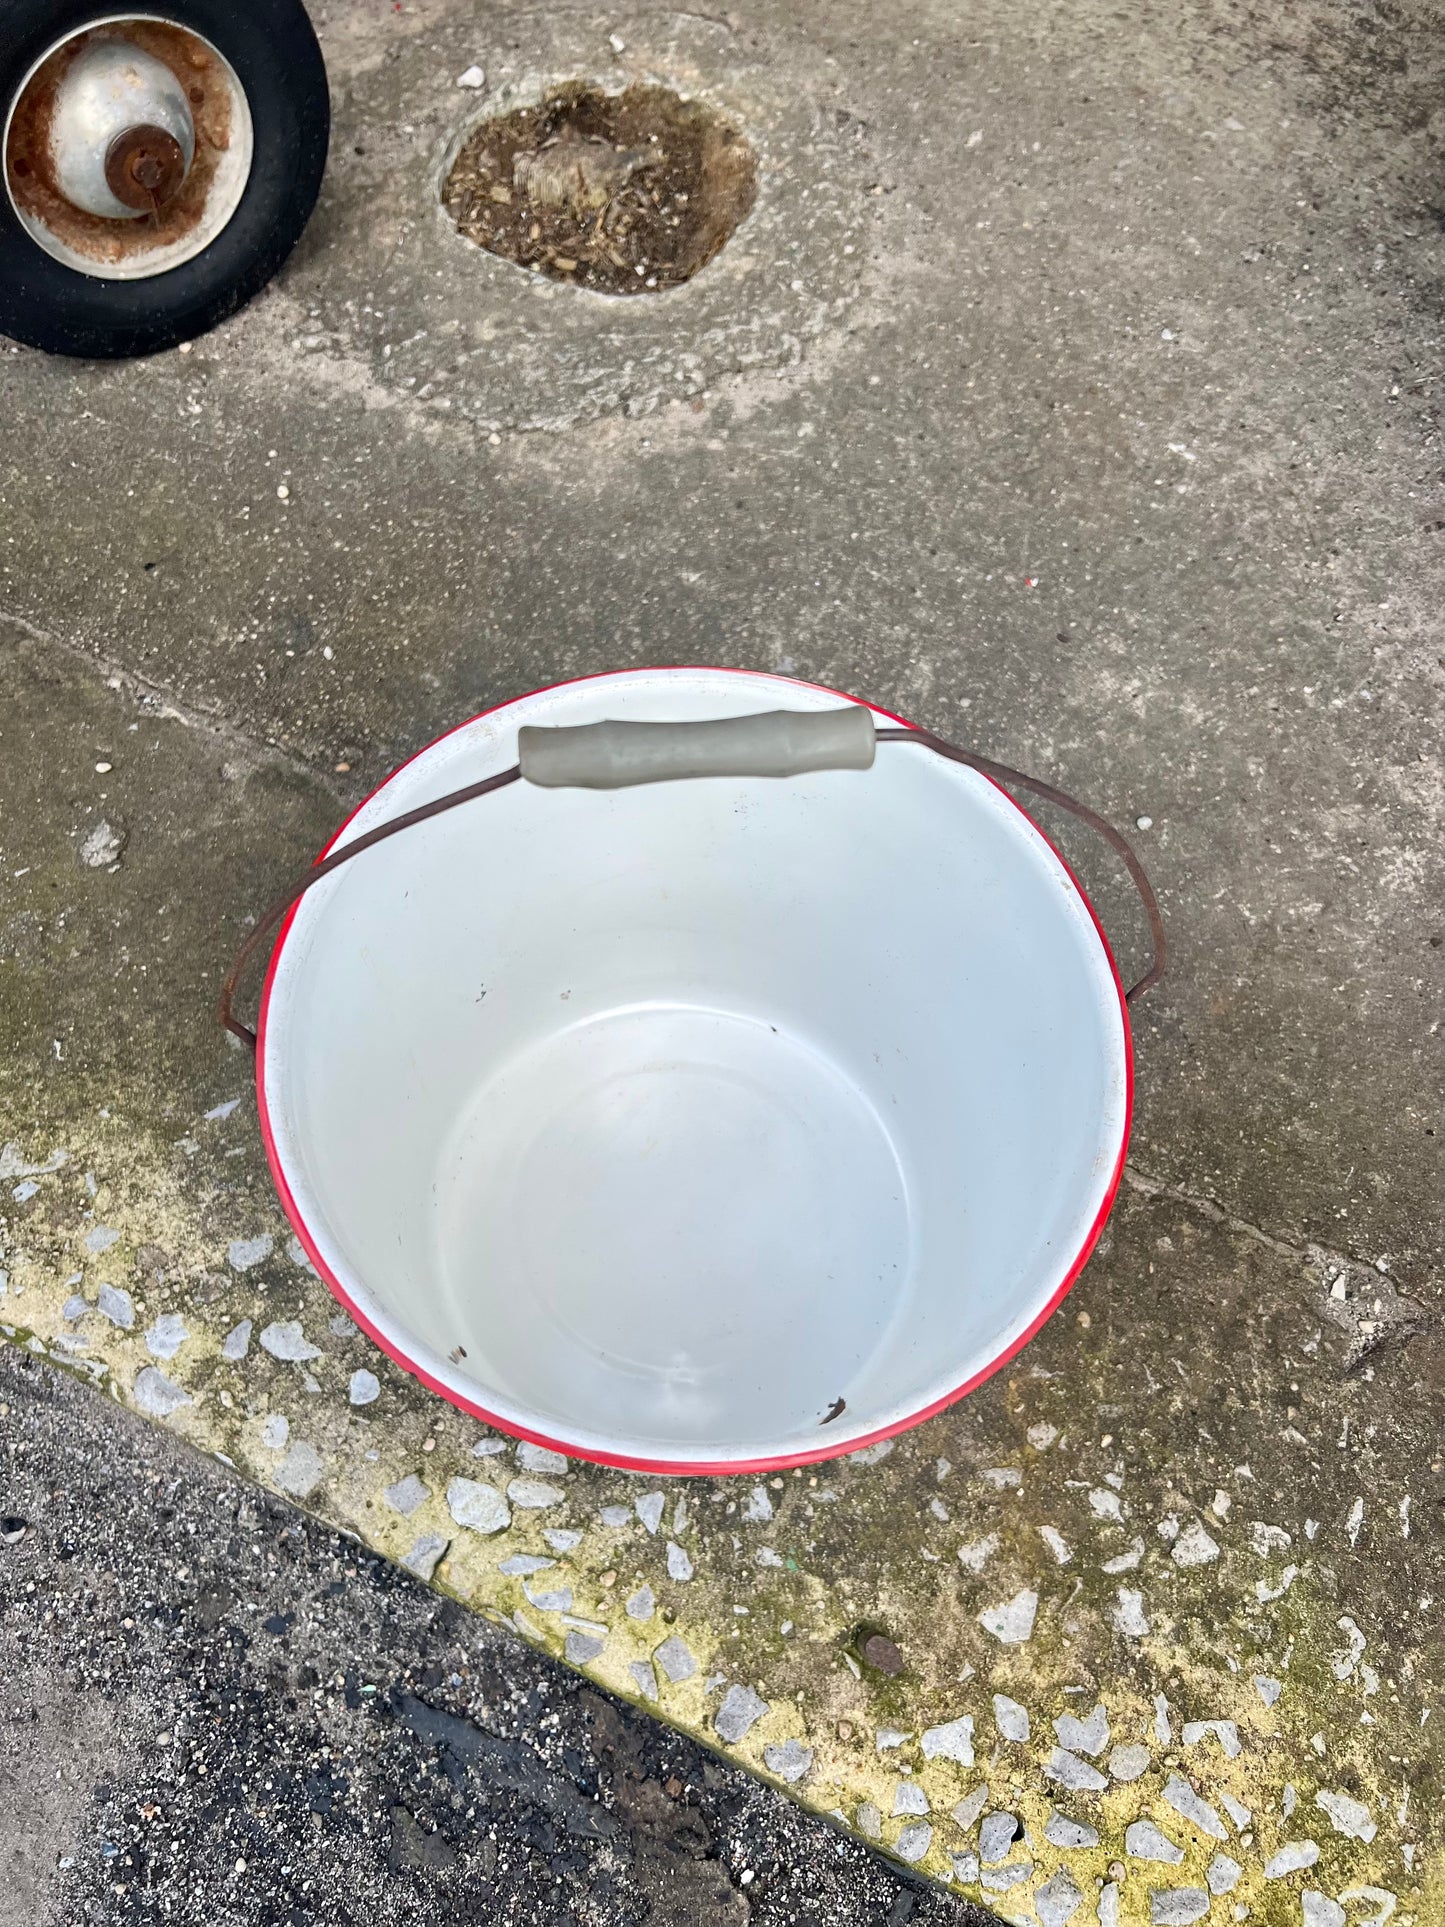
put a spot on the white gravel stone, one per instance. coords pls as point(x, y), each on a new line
point(154, 1393)
point(676, 1660)
point(1000, 1879)
point(791, 1761)
point(966, 1813)
point(406, 1495)
point(1187, 1803)
point(642, 1673)
point(1010, 1718)
point(284, 1339)
point(1222, 1874)
point(1268, 1539)
point(951, 1741)
point(477, 1505)
point(977, 1553)
point(276, 1432)
point(1125, 1561)
point(759, 1508)
point(1318, 1910)
point(1061, 1831)
point(243, 1253)
point(1012, 1622)
point(364, 1389)
point(909, 1800)
point(1128, 1616)
point(582, 1648)
point(1068, 1770)
point(534, 1495)
point(1130, 1762)
point(1238, 1812)
point(237, 1342)
point(1144, 1841)
point(642, 1604)
point(679, 1566)
point(1177, 1906)
point(114, 1303)
point(101, 845)
point(540, 1458)
point(424, 1554)
point(301, 1471)
point(996, 1837)
point(1089, 1735)
point(1058, 1900)
point(1194, 1547)
point(549, 1599)
point(1293, 1857)
point(1225, 1731)
point(1347, 1816)
point(913, 1843)
point(649, 1510)
point(740, 1711)
point(167, 1335)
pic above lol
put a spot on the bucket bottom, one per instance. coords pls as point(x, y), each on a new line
point(667, 1223)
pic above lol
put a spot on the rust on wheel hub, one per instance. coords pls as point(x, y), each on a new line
point(145, 167)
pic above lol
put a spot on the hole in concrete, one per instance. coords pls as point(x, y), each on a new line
point(625, 193)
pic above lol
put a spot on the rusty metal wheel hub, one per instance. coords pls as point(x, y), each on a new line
point(128, 147)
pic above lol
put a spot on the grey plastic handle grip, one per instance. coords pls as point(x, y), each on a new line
point(781, 742)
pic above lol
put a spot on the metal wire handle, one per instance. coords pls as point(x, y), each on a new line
point(999, 772)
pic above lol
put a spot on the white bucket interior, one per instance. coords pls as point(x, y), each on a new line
point(657, 1121)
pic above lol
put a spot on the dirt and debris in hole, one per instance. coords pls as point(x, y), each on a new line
point(625, 193)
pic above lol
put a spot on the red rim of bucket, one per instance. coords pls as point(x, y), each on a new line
point(779, 1462)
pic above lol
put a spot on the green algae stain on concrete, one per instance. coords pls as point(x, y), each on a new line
point(1136, 1682)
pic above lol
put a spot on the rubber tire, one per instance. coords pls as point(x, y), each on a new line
point(273, 49)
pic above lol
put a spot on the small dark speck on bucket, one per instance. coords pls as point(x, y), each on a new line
point(457, 1354)
point(835, 1410)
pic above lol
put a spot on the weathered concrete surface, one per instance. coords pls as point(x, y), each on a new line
point(1114, 454)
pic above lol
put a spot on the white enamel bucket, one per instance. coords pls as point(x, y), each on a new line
point(716, 1124)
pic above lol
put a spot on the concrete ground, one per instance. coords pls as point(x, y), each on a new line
point(1074, 389)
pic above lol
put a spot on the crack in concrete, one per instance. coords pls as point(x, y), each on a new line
point(1151, 1187)
point(1362, 1300)
point(159, 701)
